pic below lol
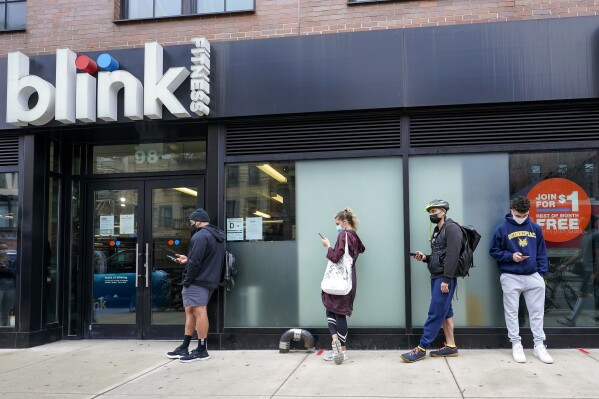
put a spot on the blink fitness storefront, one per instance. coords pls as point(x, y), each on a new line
point(104, 154)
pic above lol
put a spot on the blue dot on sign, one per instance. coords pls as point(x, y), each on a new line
point(107, 62)
point(118, 243)
point(176, 242)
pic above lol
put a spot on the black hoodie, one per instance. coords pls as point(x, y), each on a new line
point(205, 258)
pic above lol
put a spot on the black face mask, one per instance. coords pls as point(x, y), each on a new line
point(194, 230)
point(434, 218)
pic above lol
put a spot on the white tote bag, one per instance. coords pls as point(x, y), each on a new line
point(337, 276)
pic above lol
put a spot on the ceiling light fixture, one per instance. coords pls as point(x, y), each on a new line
point(187, 191)
point(269, 170)
point(264, 215)
point(277, 198)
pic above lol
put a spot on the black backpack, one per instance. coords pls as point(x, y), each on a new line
point(229, 271)
point(470, 241)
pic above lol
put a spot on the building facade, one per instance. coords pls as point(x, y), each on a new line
point(117, 121)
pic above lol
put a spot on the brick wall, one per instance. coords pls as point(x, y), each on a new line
point(89, 24)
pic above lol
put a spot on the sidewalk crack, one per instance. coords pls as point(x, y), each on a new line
point(455, 379)
point(290, 374)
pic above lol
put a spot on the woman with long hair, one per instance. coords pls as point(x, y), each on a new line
point(339, 307)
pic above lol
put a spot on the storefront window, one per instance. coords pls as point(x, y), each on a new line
point(9, 262)
point(154, 157)
point(477, 189)
point(281, 265)
point(261, 225)
point(564, 197)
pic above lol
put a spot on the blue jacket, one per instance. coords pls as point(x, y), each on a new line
point(526, 238)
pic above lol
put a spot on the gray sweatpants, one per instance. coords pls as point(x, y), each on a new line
point(533, 289)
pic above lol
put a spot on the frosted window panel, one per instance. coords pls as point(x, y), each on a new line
point(140, 9)
point(477, 189)
point(15, 16)
point(167, 7)
point(210, 6)
point(265, 293)
point(372, 188)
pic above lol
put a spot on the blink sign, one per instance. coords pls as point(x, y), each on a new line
point(83, 97)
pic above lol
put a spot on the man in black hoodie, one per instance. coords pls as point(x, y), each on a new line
point(203, 268)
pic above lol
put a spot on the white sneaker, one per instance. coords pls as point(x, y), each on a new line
point(518, 353)
point(541, 352)
point(337, 352)
point(329, 356)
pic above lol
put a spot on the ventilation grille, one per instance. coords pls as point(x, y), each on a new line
point(9, 151)
point(501, 126)
point(313, 134)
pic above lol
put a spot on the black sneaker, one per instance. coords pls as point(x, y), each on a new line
point(178, 353)
point(195, 355)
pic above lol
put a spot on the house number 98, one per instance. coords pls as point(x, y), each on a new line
point(150, 157)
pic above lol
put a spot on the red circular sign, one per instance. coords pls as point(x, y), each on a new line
point(561, 207)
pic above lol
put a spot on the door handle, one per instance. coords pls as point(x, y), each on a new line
point(136, 263)
point(147, 263)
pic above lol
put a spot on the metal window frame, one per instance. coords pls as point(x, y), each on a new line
point(188, 9)
point(4, 6)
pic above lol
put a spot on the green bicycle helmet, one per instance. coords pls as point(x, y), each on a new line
point(437, 203)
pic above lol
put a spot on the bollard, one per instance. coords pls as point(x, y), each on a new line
point(296, 334)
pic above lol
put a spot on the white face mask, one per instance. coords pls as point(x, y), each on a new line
point(519, 220)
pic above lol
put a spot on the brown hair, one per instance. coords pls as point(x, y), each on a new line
point(350, 216)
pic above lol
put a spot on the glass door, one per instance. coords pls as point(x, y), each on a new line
point(135, 228)
point(116, 258)
point(168, 204)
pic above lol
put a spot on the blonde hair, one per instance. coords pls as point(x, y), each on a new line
point(350, 216)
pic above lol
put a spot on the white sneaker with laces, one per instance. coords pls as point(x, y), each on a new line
point(518, 353)
point(330, 356)
point(337, 352)
point(541, 352)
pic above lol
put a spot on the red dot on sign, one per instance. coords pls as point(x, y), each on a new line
point(170, 242)
point(111, 243)
point(86, 64)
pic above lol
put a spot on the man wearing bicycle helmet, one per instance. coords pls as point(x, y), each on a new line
point(518, 247)
point(446, 243)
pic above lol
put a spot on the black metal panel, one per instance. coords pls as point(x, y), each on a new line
point(317, 73)
point(505, 125)
point(314, 134)
point(551, 59)
point(9, 150)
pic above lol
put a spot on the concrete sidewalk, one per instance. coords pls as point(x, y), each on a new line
point(140, 369)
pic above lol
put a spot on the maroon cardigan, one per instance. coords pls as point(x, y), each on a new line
point(344, 304)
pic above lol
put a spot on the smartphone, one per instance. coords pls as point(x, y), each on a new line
point(413, 253)
point(321, 236)
point(525, 256)
point(171, 257)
